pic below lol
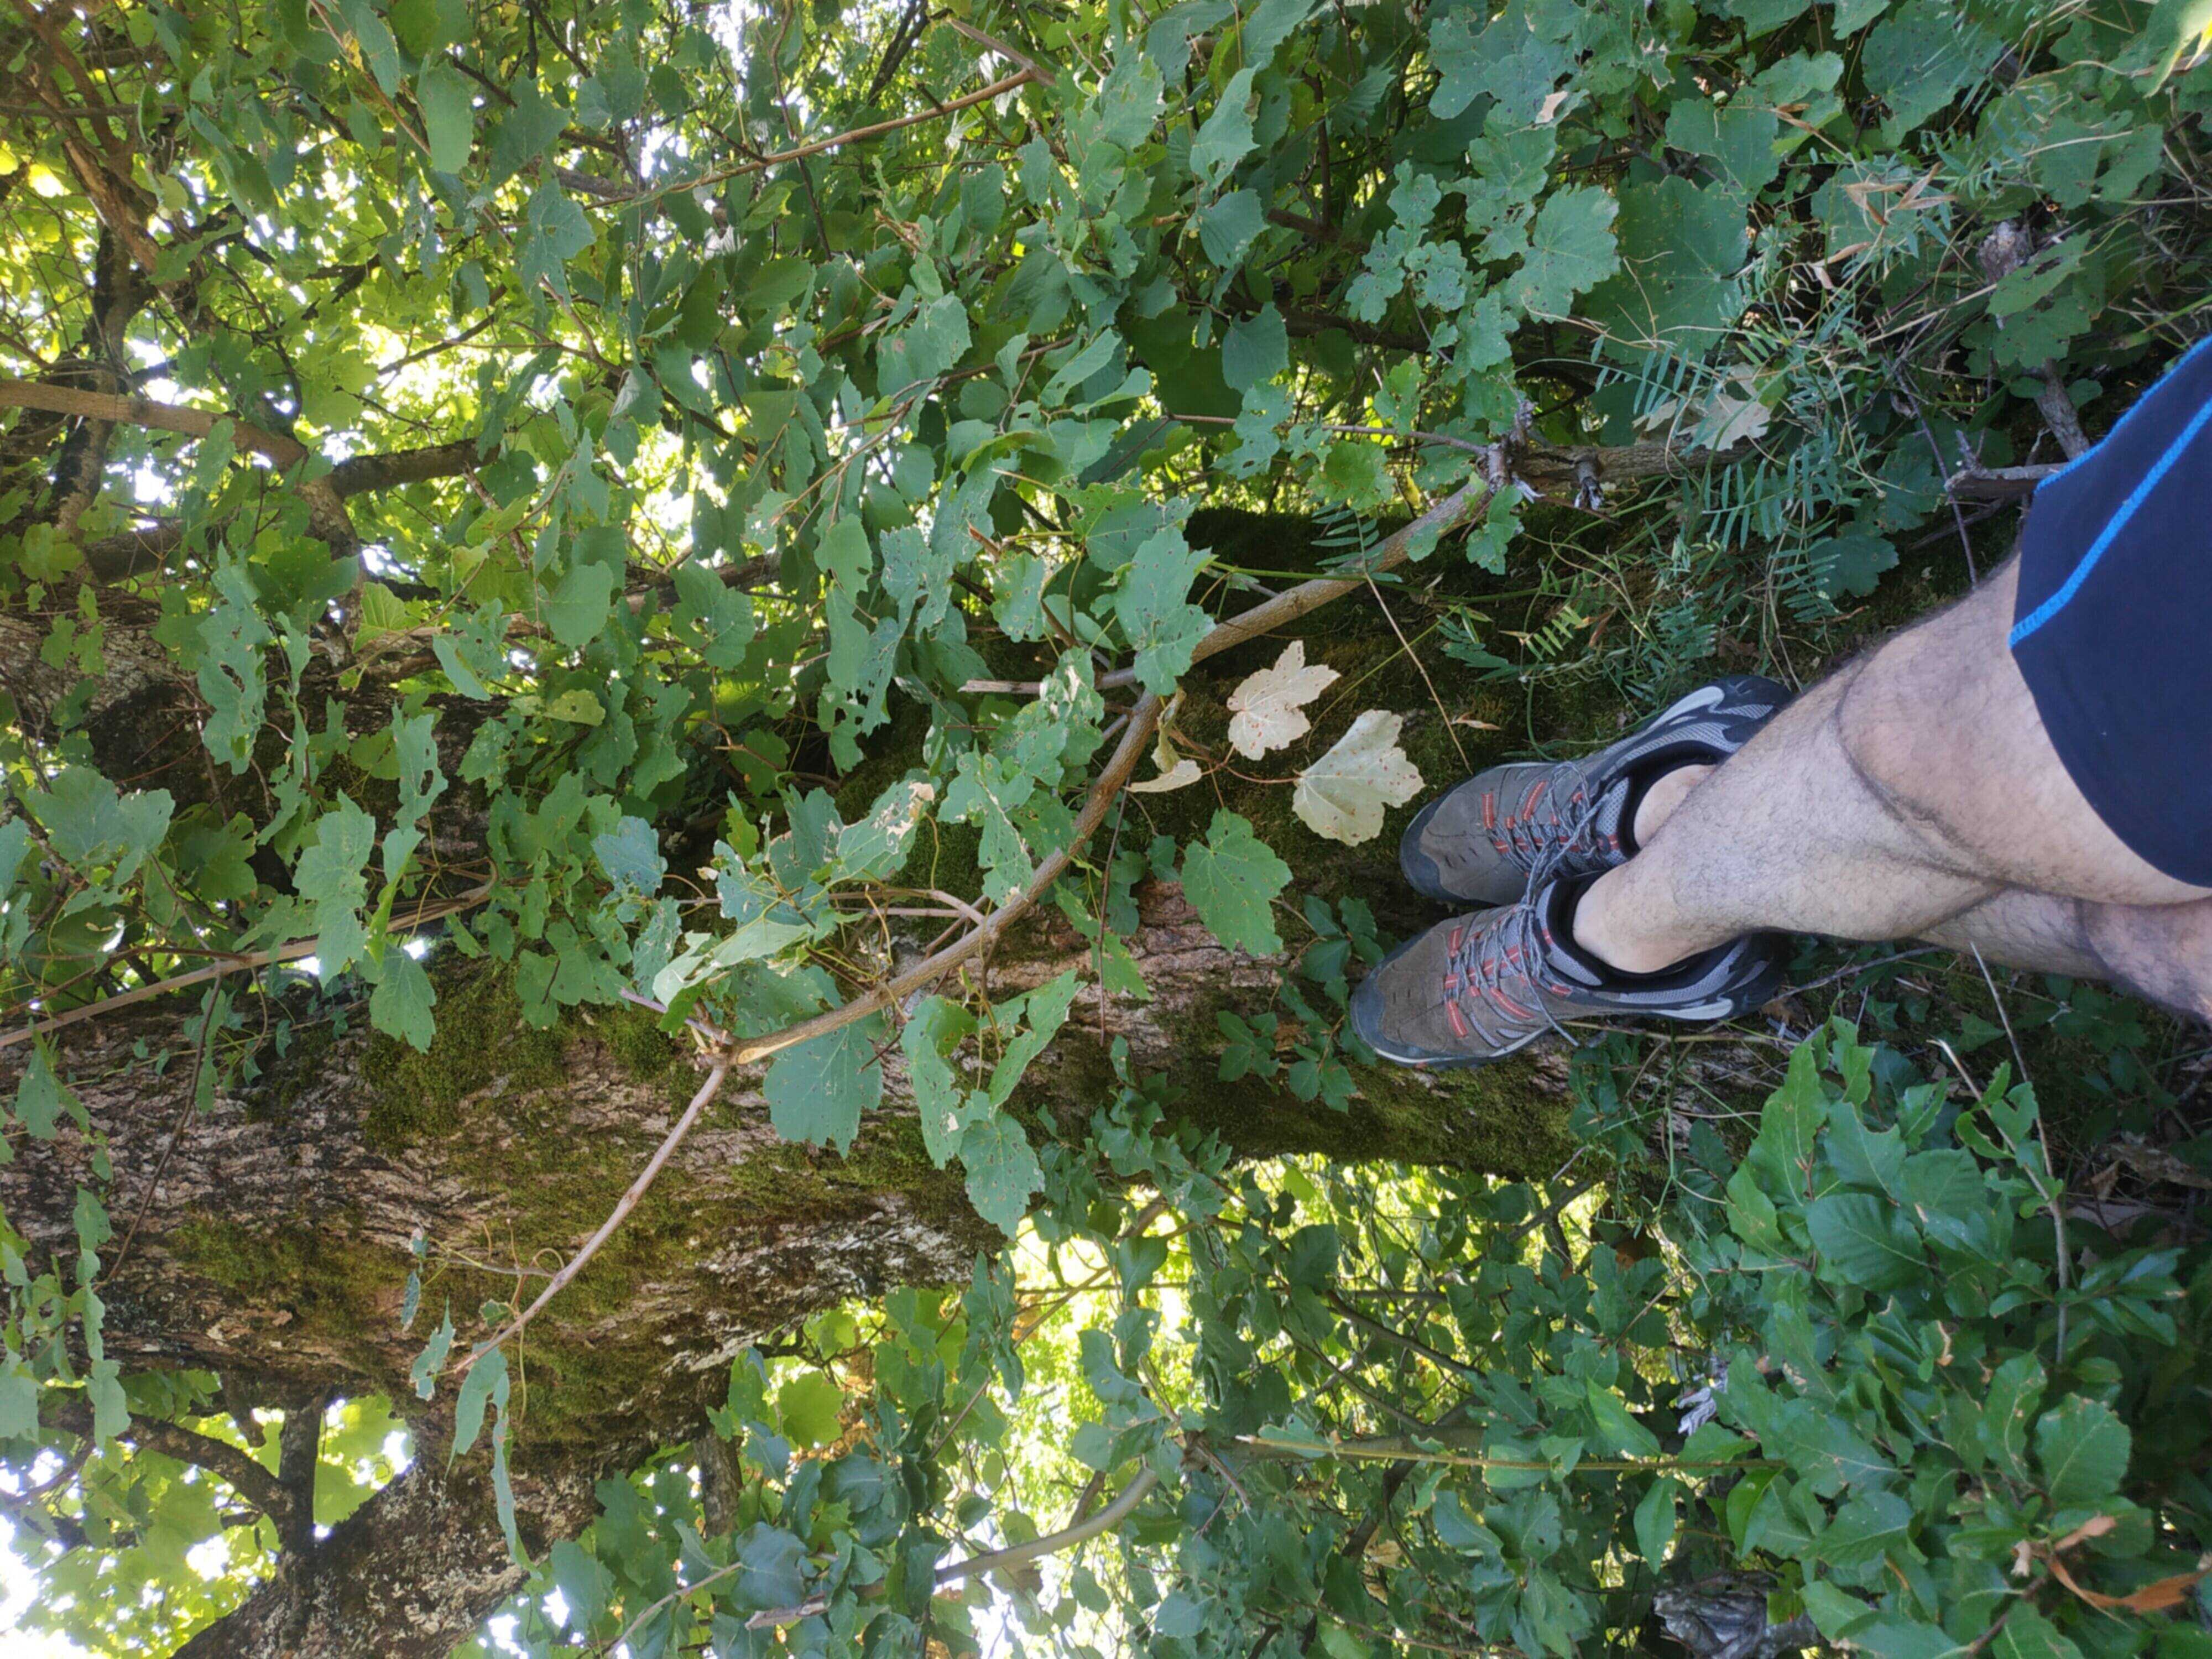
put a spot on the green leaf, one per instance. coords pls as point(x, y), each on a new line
point(1231, 879)
point(1618, 1429)
point(1654, 1521)
point(2028, 1635)
point(1863, 1156)
point(485, 1385)
point(2008, 1406)
point(1002, 1171)
point(1570, 250)
point(1179, 1615)
point(1161, 625)
point(1739, 140)
point(576, 609)
point(19, 1401)
point(630, 854)
point(15, 844)
point(1227, 228)
point(449, 116)
point(1789, 1126)
point(329, 877)
point(876, 846)
point(2083, 1450)
point(1921, 57)
point(1681, 247)
point(1226, 137)
point(400, 1005)
point(111, 1408)
point(1864, 1241)
point(1872, 1525)
point(1255, 349)
point(423, 1373)
point(819, 1091)
point(807, 1407)
point(1851, 564)
point(40, 1096)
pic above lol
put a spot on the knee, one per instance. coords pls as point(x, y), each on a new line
point(2163, 952)
point(1896, 753)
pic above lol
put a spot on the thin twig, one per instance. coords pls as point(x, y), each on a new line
point(296, 951)
point(624, 1205)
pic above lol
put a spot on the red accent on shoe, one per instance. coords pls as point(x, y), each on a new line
point(1535, 793)
point(1458, 931)
point(1490, 809)
point(1511, 1007)
point(1459, 1024)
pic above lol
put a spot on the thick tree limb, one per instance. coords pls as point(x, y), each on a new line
point(244, 1473)
point(325, 506)
point(136, 552)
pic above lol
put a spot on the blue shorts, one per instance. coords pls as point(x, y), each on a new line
point(2113, 628)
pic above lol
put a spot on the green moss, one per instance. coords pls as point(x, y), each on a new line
point(338, 1288)
point(633, 1036)
point(481, 1039)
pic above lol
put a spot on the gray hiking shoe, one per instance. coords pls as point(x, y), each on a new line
point(1479, 843)
point(1478, 987)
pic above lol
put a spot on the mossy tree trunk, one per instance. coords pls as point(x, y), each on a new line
point(269, 1231)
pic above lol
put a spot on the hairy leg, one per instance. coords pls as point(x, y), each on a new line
point(1905, 790)
point(2162, 952)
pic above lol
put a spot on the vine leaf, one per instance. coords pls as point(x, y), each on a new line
point(1343, 795)
point(1231, 878)
point(1267, 711)
point(819, 1091)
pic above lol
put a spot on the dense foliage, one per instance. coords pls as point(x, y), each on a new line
point(1452, 1417)
point(646, 497)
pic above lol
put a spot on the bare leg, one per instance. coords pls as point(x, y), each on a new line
point(1910, 789)
point(2162, 952)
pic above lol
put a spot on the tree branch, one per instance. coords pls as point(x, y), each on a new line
point(240, 1469)
point(297, 949)
point(136, 552)
point(327, 508)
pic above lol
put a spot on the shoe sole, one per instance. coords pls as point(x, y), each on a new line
point(1718, 691)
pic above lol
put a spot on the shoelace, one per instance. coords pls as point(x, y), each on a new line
point(1559, 831)
point(1510, 944)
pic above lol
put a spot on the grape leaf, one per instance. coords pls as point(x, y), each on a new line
point(1343, 795)
point(819, 1091)
point(1002, 1171)
point(1231, 878)
point(449, 116)
point(1267, 710)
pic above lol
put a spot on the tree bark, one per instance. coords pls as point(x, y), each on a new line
point(276, 1222)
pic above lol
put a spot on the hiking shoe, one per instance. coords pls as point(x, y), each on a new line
point(1479, 988)
point(1480, 842)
